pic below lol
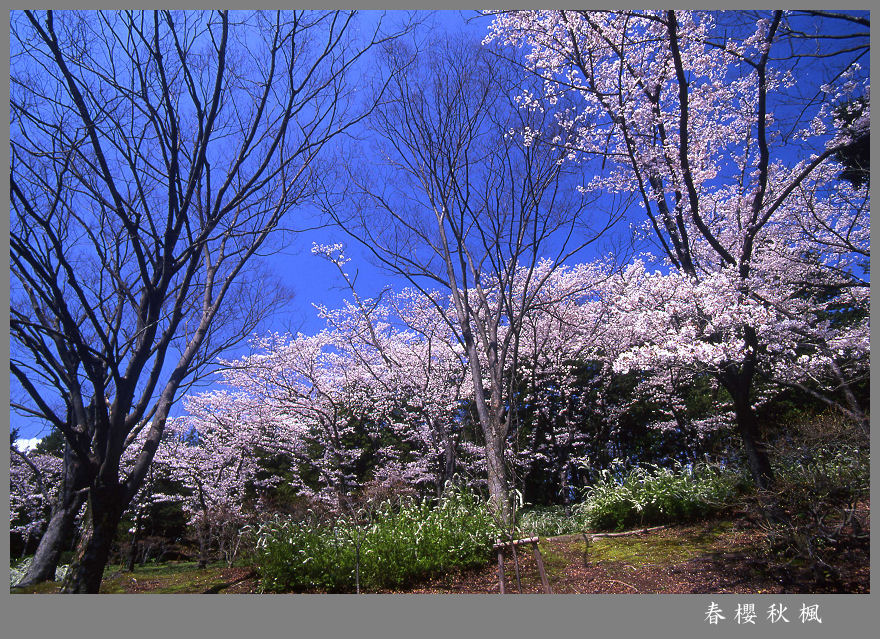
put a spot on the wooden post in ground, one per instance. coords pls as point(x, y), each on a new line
point(501, 568)
point(540, 563)
point(587, 540)
point(499, 547)
point(516, 566)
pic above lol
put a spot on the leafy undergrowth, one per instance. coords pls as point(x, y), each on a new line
point(394, 545)
point(627, 497)
point(719, 556)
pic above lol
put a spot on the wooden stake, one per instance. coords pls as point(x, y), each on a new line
point(516, 568)
point(501, 569)
point(540, 563)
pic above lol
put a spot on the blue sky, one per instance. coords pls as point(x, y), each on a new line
point(312, 279)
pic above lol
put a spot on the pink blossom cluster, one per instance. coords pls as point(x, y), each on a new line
point(34, 480)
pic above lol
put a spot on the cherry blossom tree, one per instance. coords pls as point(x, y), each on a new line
point(314, 393)
point(560, 369)
point(417, 367)
point(357, 402)
point(693, 327)
point(692, 112)
point(34, 478)
point(214, 455)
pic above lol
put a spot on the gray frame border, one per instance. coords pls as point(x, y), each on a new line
point(136, 616)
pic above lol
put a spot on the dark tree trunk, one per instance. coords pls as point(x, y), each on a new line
point(58, 534)
point(60, 529)
point(106, 505)
point(563, 487)
point(203, 543)
point(738, 385)
point(561, 453)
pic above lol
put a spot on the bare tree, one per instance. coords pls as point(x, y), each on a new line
point(152, 155)
point(459, 200)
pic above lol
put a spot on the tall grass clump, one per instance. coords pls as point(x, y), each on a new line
point(387, 546)
point(549, 521)
point(654, 495)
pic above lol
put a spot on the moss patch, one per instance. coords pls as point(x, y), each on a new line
point(173, 578)
point(656, 548)
point(555, 561)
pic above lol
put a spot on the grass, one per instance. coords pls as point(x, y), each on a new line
point(165, 578)
point(46, 587)
point(176, 577)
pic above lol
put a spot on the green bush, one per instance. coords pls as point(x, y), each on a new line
point(654, 495)
point(642, 495)
point(396, 544)
point(842, 468)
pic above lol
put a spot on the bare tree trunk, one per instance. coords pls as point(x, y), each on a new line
point(169, 263)
point(106, 505)
point(203, 544)
point(52, 543)
point(494, 431)
point(756, 450)
point(563, 487)
point(135, 543)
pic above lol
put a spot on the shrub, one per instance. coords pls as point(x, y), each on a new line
point(396, 543)
point(654, 495)
point(812, 511)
